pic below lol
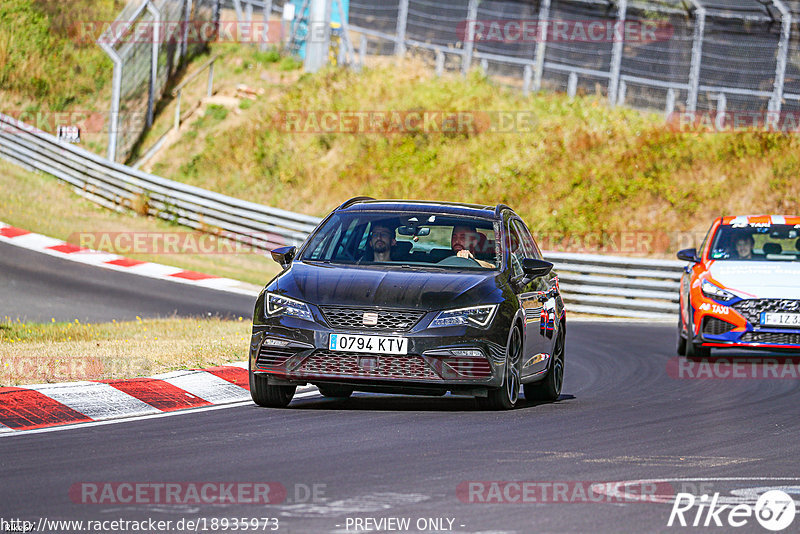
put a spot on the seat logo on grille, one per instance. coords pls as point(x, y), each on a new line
point(370, 319)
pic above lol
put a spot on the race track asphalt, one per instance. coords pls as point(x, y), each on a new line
point(37, 287)
point(622, 416)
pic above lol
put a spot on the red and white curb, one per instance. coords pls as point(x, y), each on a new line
point(61, 249)
point(41, 406)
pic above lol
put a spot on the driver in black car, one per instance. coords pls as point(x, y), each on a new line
point(464, 241)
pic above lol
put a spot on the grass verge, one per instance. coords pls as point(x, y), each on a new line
point(58, 352)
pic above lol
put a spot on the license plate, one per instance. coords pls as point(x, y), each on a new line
point(780, 319)
point(373, 344)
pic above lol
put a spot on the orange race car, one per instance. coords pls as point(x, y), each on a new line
point(742, 288)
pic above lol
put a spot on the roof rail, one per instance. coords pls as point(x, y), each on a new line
point(352, 201)
point(500, 207)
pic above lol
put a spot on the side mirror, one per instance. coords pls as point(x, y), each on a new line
point(536, 268)
point(688, 254)
point(284, 256)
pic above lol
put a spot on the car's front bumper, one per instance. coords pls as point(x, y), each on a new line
point(289, 350)
point(737, 326)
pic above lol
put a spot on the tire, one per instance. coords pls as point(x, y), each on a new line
point(681, 348)
point(269, 396)
point(549, 388)
point(334, 391)
point(694, 351)
point(506, 396)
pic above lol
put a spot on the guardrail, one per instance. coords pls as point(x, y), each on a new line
point(619, 286)
point(113, 185)
point(603, 285)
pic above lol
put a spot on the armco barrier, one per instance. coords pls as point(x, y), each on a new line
point(602, 285)
point(619, 286)
point(113, 184)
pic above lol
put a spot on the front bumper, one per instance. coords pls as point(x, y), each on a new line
point(294, 351)
point(738, 326)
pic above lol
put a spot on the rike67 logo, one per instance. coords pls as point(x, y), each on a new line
point(774, 510)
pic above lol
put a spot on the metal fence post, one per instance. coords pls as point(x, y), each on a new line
point(187, 14)
point(670, 107)
point(572, 84)
point(541, 44)
point(402, 23)
point(155, 48)
point(210, 90)
point(362, 51)
point(783, 51)
point(116, 90)
point(697, 56)
point(722, 104)
point(177, 122)
point(469, 46)
point(265, 35)
point(527, 73)
point(318, 43)
point(345, 29)
point(237, 6)
point(439, 63)
point(616, 53)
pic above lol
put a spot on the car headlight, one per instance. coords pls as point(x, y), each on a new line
point(715, 292)
point(280, 305)
point(477, 315)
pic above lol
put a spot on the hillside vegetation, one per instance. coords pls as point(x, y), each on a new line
point(44, 60)
point(581, 168)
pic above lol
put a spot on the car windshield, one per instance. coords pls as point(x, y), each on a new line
point(424, 239)
point(756, 242)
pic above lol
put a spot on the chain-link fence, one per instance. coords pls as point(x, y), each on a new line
point(147, 43)
point(669, 55)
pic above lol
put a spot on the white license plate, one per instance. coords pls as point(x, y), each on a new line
point(780, 319)
point(373, 344)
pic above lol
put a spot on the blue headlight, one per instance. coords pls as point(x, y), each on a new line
point(280, 305)
point(475, 316)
